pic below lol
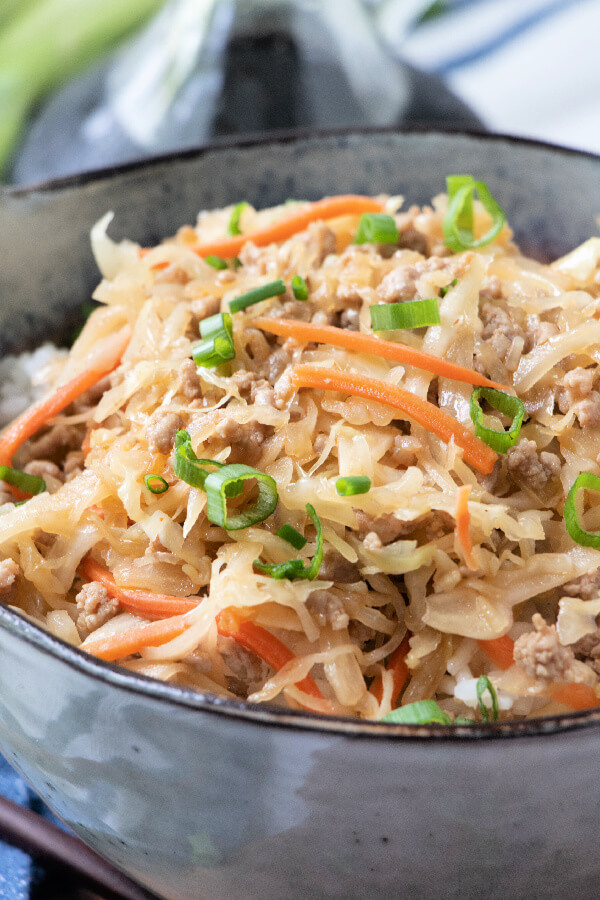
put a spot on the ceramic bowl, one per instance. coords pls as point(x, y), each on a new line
point(205, 799)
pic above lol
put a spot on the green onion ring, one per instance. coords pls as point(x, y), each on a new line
point(422, 712)
point(288, 533)
point(217, 346)
point(162, 487)
point(484, 684)
point(299, 288)
point(227, 482)
point(272, 289)
point(584, 481)
point(500, 441)
point(458, 221)
point(215, 261)
point(376, 228)
point(187, 466)
point(294, 569)
point(349, 485)
point(409, 314)
point(29, 484)
point(234, 223)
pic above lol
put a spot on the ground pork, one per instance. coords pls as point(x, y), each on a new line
point(9, 571)
point(95, 607)
point(161, 430)
point(327, 609)
point(190, 382)
point(491, 288)
point(73, 464)
point(413, 239)
point(91, 398)
point(540, 654)
point(320, 242)
point(49, 471)
point(246, 439)
point(402, 282)
point(587, 649)
point(529, 468)
point(376, 532)
point(578, 393)
point(586, 586)
point(335, 568)
point(249, 672)
point(202, 307)
point(278, 361)
point(54, 444)
point(5, 495)
point(349, 319)
point(499, 328)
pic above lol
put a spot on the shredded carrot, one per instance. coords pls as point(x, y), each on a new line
point(500, 651)
point(37, 416)
point(150, 634)
point(573, 694)
point(475, 452)
point(329, 208)
point(463, 525)
point(260, 641)
point(396, 664)
point(369, 343)
point(144, 603)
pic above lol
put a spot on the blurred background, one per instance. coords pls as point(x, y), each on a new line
point(90, 83)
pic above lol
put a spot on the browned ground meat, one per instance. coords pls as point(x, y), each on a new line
point(387, 528)
point(203, 307)
point(336, 568)
point(328, 609)
point(9, 571)
point(542, 656)
point(413, 239)
point(587, 649)
point(278, 361)
point(95, 607)
point(499, 328)
point(92, 397)
point(401, 282)
point(54, 444)
point(73, 464)
point(348, 318)
point(161, 430)
point(190, 382)
point(47, 470)
point(530, 469)
point(586, 586)
point(320, 242)
point(246, 440)
point(249, 672)
point(578, 392)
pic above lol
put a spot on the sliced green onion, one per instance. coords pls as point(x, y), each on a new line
point(294, 568)
point(288, 533)
point(422, 712)
point(156, 484)
point(410, 314)
point(215, 261)
point(187, 466)
point(350, 485)
point(484, 684)
point(217, 346)
point(589, 482)
point(500, 441)
point(228, 482)
point(236, 263)
point(234, 223)
point(443, 293)
point(376, 228)
point(299, 288)
point(29, 484)
point(272, 289)
point(464, 720)
point(458, 221)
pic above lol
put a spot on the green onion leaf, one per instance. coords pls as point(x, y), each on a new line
point(217, 346)
point(464, 720)
point(500, 441)
point(288, 533)
point(484, 684)
point(272, 289)
point(234, 223)
point(215, 261)
point(376, 228)
point(422, 712)
point(29, 484)
point(410, 314)
point(584, 481)
point(156, 484)
point(443, 293)
point(458, 221)
point(299, 288)
point(350, 485)
point(294, 568)
point(186, 464)
point(228, 482)
point(236, 263)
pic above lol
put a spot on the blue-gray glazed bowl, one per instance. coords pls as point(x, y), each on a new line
point(201, 799)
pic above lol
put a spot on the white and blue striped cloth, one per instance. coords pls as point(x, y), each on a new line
point(526, 67)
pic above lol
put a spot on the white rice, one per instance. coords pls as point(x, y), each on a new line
point(19, 380)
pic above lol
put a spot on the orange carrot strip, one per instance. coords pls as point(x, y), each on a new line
point(463, 523)
point(37, 416)
point(577, 696)
point(260, 641)
point(500, 651)
point(150, 634)
point(369, 343)
point(396, 664)
point(475, 452)
point(143, 602)
point(329, 208)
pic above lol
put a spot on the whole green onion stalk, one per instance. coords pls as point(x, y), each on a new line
point(43, 43)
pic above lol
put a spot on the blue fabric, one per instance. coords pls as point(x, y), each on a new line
point(16, 868)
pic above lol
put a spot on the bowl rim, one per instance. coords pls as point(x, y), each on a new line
point(24, 629)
